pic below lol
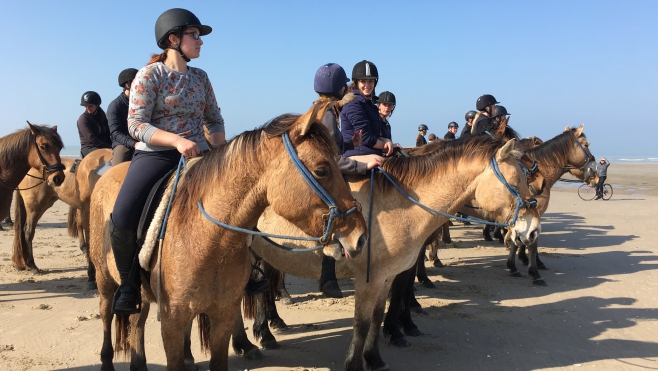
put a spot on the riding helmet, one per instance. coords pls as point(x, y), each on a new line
point(470, 115)
point(500, 111)
point(365, 70)
point(453, 125)
point(175, 20)
point(422, 127)
point(386, 97)
point(330, 79)
point(485, 101)
point(89, 98)
point(127, 76)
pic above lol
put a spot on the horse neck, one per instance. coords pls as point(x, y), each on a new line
point(550, 169)
point(18, 162)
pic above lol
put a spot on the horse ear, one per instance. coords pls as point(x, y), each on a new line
point(55, 128)
point(566, 128)
point(579, 131)
point(34, 129)
point(589, 144)
point(315, 114)
point(505, 151)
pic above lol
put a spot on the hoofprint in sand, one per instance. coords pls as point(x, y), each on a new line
point(600, 308)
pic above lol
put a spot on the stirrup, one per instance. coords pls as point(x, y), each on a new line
point(136, 309)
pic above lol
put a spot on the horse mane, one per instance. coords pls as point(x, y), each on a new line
point(511, 133)
point(438, 159)
point(247, 151)
point(17, 143)
point(555, 152)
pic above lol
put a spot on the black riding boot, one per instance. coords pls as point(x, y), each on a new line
point(328, 282)
point(127, 299)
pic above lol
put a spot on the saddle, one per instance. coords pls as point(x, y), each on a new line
point(152, 202)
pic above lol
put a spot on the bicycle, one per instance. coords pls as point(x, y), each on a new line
point(588, 193)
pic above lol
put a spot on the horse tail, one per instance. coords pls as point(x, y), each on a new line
point(20, 243)
point(203, 321)
point(249, 306)
point(121, 333)
point(73, 222)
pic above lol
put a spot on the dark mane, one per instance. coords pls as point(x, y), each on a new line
point(555, 152)
point(511, 133)
point(439, 159)
point(18, 143)
point(245, 151)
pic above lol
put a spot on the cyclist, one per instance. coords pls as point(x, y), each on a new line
point(602, 172)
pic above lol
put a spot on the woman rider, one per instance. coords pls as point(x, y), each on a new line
point(386, 106)
point(330, 81)
point(483, 124)
point(169, 103)
point(361, 114)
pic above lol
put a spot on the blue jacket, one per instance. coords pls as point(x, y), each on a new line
point(361, 114)
point(117, 117)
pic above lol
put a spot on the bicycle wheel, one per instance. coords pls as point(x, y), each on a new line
point(586, 192)
point(607, 191)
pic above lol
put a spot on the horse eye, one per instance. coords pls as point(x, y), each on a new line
point(42, 147)
point(320, 173)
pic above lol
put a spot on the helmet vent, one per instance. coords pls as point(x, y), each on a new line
point(367, 69)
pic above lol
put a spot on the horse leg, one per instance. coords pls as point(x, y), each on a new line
point(522, 256)
point(26, 218)
point(499, 235)
point(367, 298)
point(486, 232)
point(261, 329)
point(222, 325)
point(532, 267)
point(275, 277)
point(282, 293)
point(511, 260)
point(189, 357)
point(241, 343)
point(371, 354)
point(445, 233)
point(106, 292)
point(392, 319)
point(173, 327)
point(136, 338)
point(421, 273)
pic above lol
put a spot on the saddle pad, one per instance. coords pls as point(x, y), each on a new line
point(103, 168)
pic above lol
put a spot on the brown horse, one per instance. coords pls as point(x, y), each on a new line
point(36, 147)
point(444, 180)
point(203, 268)
point(75, 191)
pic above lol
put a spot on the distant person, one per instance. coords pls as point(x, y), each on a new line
point(123, 145)
point(420, 138)
point(499, 114)
point(466, 131)
point(93, 128)
point(431, 137)
point(602, 172)
point(386, 105)
point(486, 106)
point(452, 130)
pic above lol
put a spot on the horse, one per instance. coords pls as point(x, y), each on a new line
point(443, 180)
point(37, 147)
point(202, 268)
point(33, 200)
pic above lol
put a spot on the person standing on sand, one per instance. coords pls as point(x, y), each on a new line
point(123, 145)
point(602, 172)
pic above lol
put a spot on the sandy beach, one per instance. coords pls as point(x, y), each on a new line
point(599, 310)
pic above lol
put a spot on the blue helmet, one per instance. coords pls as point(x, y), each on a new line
point(330, 79)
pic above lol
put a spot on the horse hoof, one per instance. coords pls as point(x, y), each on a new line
point(500, 240)
point(539, 282)
point(278, 324)
point(413, 332)
point(401, 343)
point(34, 270)
point(270, 345)
point(542, 267)
point(428, 284)
point(91, 286)
point(448, 242)
point(487, 238)
point(516, 274)
point(285, 301)
point(254, 355)
point(189, 365)
point(419, 310)
point(525, 261)
point(437, 264)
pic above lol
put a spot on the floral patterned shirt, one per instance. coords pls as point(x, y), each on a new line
point(177, 102)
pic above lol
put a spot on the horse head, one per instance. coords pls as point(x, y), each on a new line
point(580, 156)
point(500, 197)
point(317, 151)
point(44, 155)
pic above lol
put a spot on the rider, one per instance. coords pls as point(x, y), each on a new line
point(93, 129)
point(499, 114)
point(361, 114)
point(123, 145)
point(386, 106)
point(602, 172)
point(452, 130)
point(483, 124)
point(331, 81)
point(169, 103)
point(420, 138)
point(466, 131)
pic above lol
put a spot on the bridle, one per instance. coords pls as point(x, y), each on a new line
point(45, 170)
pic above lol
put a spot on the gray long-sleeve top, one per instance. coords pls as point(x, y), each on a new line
point(602, 168)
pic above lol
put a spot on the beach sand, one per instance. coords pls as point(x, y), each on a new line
point(599, 310)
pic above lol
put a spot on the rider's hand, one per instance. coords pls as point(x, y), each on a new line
point(356, 139)
point(388, 148)
point(374, 162)
point(187, 148)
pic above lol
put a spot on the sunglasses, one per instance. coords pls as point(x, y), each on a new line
point(194, 34)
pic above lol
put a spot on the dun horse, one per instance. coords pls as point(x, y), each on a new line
point(443, 180)
point(203, 268)
point(75, 191)
point(36, 147)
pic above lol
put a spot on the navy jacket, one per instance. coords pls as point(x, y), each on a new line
point(466, 132)
point(361, 114)
point(117, 117)
point(482, 125)
point(449, 136)
point(93, 131)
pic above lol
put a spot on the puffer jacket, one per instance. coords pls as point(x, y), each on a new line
point(361, 114)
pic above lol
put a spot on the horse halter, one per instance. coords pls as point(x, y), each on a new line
point(47, 168)
point(520, 204)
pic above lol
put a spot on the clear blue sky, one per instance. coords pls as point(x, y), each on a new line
point(551, 63)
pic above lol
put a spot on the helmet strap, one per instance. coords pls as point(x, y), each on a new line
point(177, 48)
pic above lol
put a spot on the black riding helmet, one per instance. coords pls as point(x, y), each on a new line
point(453, 125)
point(175, 21)
point(422, 127)
point(386, 97)
point(365, 70)
point(470, 115)
point(127, 76)
point(485, 101)
point(89, 98)
point(500, 111)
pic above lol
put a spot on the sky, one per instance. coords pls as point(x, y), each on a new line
point(551, 64)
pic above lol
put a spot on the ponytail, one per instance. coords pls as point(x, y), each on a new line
point(155, 58)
